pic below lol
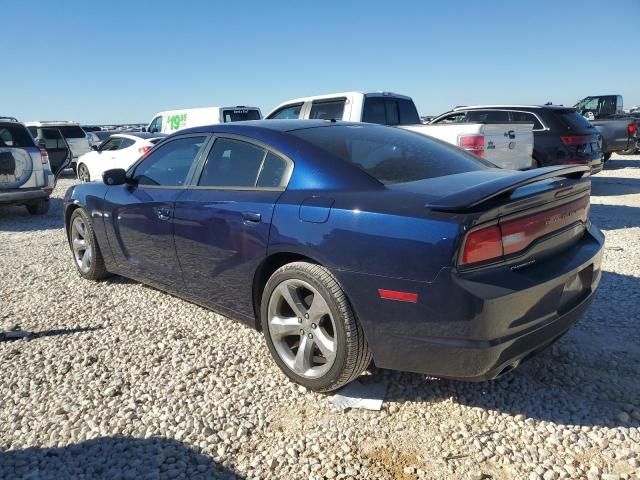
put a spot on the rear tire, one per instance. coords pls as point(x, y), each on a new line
point(607, 157)
point(84, 247)
point(304, 307)
point(38, 208)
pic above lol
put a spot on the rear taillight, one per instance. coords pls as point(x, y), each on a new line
point(143, 150)
point(472, 143)
point(44, 156)
point(508, 237)
point(632, 128)
point(575, 139)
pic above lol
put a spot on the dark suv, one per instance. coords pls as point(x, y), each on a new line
point(561, 135)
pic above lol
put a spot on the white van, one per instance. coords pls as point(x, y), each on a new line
point(173, 120)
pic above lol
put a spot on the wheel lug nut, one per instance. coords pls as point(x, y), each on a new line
point(313, 325)
point(310, 335)
point(301, 332)
point(306, 315)
point(299, 320)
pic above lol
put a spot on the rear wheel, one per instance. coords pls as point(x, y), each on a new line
point(83, 173)
point(38, 208)
point(310, 328)
point(84, 247)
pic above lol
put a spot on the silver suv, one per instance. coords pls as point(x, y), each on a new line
point(26, 176)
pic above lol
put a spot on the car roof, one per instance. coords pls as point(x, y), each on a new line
point(477, 107)
point(49, 123)
point(275, 125)
point(138, 135)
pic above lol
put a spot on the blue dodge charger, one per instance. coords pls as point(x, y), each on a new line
point(346, 242)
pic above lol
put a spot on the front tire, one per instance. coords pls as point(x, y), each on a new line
point(84, 247)
point(38, 208)
point(310, 328)
point(83, 173)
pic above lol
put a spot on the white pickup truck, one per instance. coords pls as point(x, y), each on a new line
point(505, 145)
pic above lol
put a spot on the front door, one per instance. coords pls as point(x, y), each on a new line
point(222, 224)
point(142, 213)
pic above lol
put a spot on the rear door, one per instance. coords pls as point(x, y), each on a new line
point(222, 223)
point(142, 215)
point(53, 141)
point(506, 144)
point(76, 138)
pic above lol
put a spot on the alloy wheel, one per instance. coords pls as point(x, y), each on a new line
point(302, 328)
point(81, 245)
point(83, 173)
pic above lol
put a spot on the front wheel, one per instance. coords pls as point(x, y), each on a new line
point(310, 328)
point(83, 173)
point(84, 247)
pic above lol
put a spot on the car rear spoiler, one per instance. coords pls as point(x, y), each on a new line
point(470, 198)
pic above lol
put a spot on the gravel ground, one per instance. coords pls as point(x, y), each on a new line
point(122, 381)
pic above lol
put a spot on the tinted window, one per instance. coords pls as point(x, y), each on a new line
point(408, 112)
point(390, 155)
point(290, 112)
point(169, 164)
point(393, 116)
point(125, 143)
point(156, 125)
point(573, 120)
point(238, 115)
point(53, 140)
point(273, 173)
point(111, 144)
point(374, 111)
point(232, 163)
point(525, 117)
point(15, 136)
point(72, 132)
point(487, 116)
point(327, 109)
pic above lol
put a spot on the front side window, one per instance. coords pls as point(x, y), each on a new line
point(232, 163)
point(327, 109)
point(156, 125)
point(169, 164)
point(458, 117)
point(114, 143)
point(289, 112)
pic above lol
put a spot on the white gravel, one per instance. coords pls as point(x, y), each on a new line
point(119, 380)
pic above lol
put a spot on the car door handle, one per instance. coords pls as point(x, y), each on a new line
point(251, 217)
point(164, 213)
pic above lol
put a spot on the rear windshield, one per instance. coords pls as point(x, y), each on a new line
point(15, 136)
point(72, 131)
point(573, 120)
point(390, 155)
point(240, 114)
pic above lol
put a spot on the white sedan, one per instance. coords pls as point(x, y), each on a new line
point(119, 151)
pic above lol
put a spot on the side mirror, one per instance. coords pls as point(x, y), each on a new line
point(115, 176)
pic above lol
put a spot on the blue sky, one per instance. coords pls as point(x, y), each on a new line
point(122, 61)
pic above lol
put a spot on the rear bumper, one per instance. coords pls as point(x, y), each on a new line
point(476, 326)
point(22, 195)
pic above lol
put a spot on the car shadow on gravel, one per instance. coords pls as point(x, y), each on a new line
point(614, 217)
point(588, 378)
point(18, 219)
point(113, 457)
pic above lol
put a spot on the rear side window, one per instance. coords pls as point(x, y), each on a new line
point(274, 172)
point(487, 116)
point(112, 144)
point(15, 136)
point(573, 120)
point(125, 143)
point(232, 163)
point(389, 111)
point(239, 115)
point(169, 164)
point(327, 109)
point(525, 117)
point(72, 132)
point(289, 112)
point(391, 155)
